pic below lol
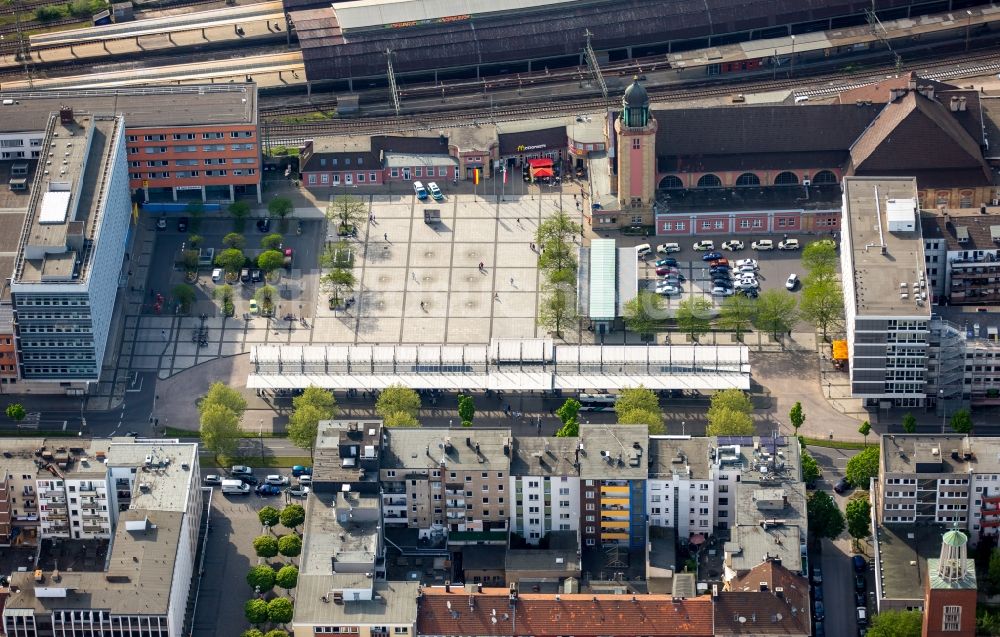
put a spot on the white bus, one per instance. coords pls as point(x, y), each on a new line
point(597, 402)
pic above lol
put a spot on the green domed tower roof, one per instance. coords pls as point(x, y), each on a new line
point(955, 538)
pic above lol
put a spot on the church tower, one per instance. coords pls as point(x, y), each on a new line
point(636, 132)
point(950, 593)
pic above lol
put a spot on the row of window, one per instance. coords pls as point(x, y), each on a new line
point(214, 161)
point(747, 180)
point(347, 161)
point(191, 174)
point(186, 136)
point(418, 171)
point(155, 150)
point(349, 178)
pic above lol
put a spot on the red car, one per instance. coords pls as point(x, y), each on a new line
point(719, 262)
point(665, 270)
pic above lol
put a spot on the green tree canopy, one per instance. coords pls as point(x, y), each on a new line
point(265, 546)
point(347, 212)
point(292, 516)
point(652, 419)
point(735, 399)
point(261, 576)
point(864, 430)
point(280, 207)
point(338, 281)
point(265, 296)
point(570, 428)
point(255, 611)
point(776, 311)
point(725, 421)
point(184, 294)
point(896, 623)
point(231, 260)
point(255, 632)
point(558, 227)
point(633, 398)
point(993, 572)
point(863, 467)
point(820, 258)
point(568, 410)
point(239, 210)
point(557, 256)
point(825, 519)
point(221, 394)
point(810, 468)
point(234, 240)
point(796, 417)
point(269, 516)
point(270, 260)
point(961, 421)
point(400, 419)
point(823, 304)
point(287, 577)
point(397, 399)
point(277, 632)
point(466, 408)
point(280, 610)
point(557, 307)
point(16, 412)
point(737, 313)
point(644, 314)
point(220, 430)
point(694, 316)
point(859, 516)
point(272, 241)
point(909, 423)
point(312, 407)
point(289, 545)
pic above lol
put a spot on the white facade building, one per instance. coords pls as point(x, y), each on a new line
point(542, 472)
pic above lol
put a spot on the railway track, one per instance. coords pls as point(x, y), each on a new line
point(422, 117)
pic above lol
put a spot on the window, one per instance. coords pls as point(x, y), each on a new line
point(786, 179)
point(671, 181)
point(418, 172)
point(325, 179)
point(709, 181)
point(747, 179)
point(952, 620)
point(361, 177)
point(442, 171)
point(312, 179)
point(394, 172)
point(372, 178)
point(824, 177)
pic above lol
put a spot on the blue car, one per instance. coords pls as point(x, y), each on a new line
point(860, 564)
point(299, 470)
point(668, 262)
point(711, 256)
point(268, 489)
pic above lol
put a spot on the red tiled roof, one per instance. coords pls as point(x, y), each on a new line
point(544, 615)
point(744, 609)
point(879, 92)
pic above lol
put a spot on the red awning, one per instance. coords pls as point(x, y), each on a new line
point(542, 162)
point(542, 172)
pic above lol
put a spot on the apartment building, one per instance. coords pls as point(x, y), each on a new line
point(6, 510)
point(348, 452)
point(613, 463)
point(545, 481)
point(886, 307)
point(151, 563)
point(962, 254)
point(71, 251)
point(181, 140)
point(453, 481)
point(681, 491)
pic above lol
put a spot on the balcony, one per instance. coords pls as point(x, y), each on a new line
point(991, 499)
point(986, 524)
point(613, 490)
point(393, 501)
point(613, 535)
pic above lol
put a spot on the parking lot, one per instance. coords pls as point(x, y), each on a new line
point(774, 265)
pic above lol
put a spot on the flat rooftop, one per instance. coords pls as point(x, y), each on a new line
point(458, 449)
point(757, 502)
point(903, 551)
point(942, 453)
point(328, 540)
point(347, 451)
point(146, 107)
point(395, 604)
point(535, 456)
point(167, 475)
point(365, 14)
point(886, 263)
point(66, 200)
point(687, 458)
point(750, 546)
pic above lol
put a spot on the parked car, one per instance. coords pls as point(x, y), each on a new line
point(264, 224)
point(817, 577)
point(241, 470)
point(746, 269)
point(704, 245)
point(747, 284)
point(860, 564)
point(679, 278)
point(745, 263)
point(298, 491)
point(668, 289)
point(251, 479)
point(217, 275)
point(665, 270)
point(819, 612)
point(253, 306)
point(245, 275)
point(719, 268)
point(182, 224)
point(733, 244)
point(859, 583)
point(763, 244)
point(267, 489)
point(435, 191)
point(256, 275)
point(719, 290)
point(842, 486)
point(161, 223)
point(789, 244)
point(419, 190)
point(213, 479)
point(792, 282)
point(859, 599)
point(668, 261)
point(862, 613)
point(711, 256)
point(820, 630)
point(276, 479)
point(667, 248)
point(818, 593)
point(299, 470)
point(722, 261)
point(305, 480)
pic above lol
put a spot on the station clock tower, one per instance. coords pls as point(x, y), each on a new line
point(636, 132)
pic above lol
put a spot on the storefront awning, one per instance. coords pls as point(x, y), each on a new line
point(542, 172)
point(541, 162)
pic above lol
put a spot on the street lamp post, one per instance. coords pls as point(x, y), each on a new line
point(683, 428)
point(944, 407)
point(260, 437)
point(968, 27)
point(792, 72)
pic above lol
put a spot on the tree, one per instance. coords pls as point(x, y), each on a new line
point(961, 422)
point(265, 546)
point(261, 577)
point(400, 419)
point(255, 632)
point(822, 304)
point(796, 417)
point(265, 296)
point(644, 313)
point(292, 516)
point(863, 467)
point(15, 411)
point(231, 260)
point(270, 260)
point(256, 611)
point(859, 516)
point(347, 212)
point(195, 240)
point(557, 308)
point(694, 316)
point(636, 398)
point(234, 240)
point(220, 430)
point(776, 312)
point(810, 469)
point(864, 430)
point(896, 623)
point(184, 294)
point(466, 409)
point(280, 610)
point(737, 313)
point(820, 258)
point(909, 423)
point(558, 256)
point(189, 260)
point(287, 577)
point(269, 516)
point(239, 211)
point(221, 394)
point(313, 406)
point(568, 410)
point(729, 422)
point(824, 518)
point(993, 571)
point(272, 241)
point(395, 399)
point(338, 281)
point(290, 545)
point(570, 429)
point(735, 399)
point(280, 207)
point(277, 632)
point(652, 419)
point(558, 227)
point(196, 210)
point(338, 255)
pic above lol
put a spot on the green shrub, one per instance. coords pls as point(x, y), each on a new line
point(48, 13)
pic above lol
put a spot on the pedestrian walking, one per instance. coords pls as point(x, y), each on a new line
point(532, 247)
point(481, 265)
point(518, 221)
point(496, 297)
point(511, 281)
point(163, 334)
point(414, 275)
point(385, 235)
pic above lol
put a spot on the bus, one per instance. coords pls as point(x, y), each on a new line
point(597, 402)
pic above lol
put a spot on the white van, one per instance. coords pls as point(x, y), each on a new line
point(642, 251)
point(236, 487)
point(420, 191)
